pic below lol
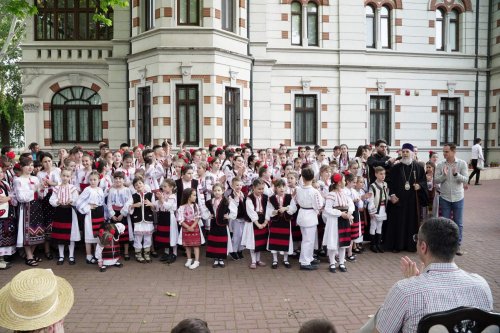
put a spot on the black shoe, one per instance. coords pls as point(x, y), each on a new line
point(274, 265)
point(478, 184)
point(222, 264)
point(308, 268)
point(102, 269)
point(118, 264)
point(171, 258)
point(240, 254)
point(71, 261)
point(60, 261)
point(126, 257)
point(165, 257)
point(373, 248)
point(395, 251)
point(91, 261)
point(315, 262)
point(215, 264)
point(332, 269)
point(322, 253)
point(49, 255)
point(342, 268)
point(154, 254)
point(351, 258)
point(358, 251)
point(234, 256)
point(287, 264)
point(378, 243)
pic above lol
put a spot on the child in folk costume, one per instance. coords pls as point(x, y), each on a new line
point(90, 203)
point(377, 205)
point(153, 171)
point(31, 227)
point(215, 171)
point(117, 161)
point(292, 181)
point(349, 190)
point(127, 169)
point(65, 229)
point(205, 184)
point(119, 201)
point(255, 232)
point(265, 178)
point(237, 224)
point(167, 231)
point(70, 165)
point(186, 181)
point(338, 216)
point(279, 216)
point(107, 251)
point(8, 223)
point(49, 177)
point(360, 189)
point(222, 210)
point(82, 174)
point(310, 202)
point(105, 179)
point(432, 190)
point(344, 158)
point(189, 218)
point(141, 215)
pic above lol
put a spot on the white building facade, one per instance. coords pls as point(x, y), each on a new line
point(267, 72)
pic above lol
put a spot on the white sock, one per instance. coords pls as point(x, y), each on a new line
point(254, 256)
point(61, 250)
point(71, 249)
point(257, 254)
point(285, 257)
point(275, 256)
point(331, 256)
point(89, 257)
point(342, 256)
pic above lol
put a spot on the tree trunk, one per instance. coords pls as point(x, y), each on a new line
point(4, 132)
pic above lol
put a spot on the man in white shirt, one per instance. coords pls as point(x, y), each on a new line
point(477, 156)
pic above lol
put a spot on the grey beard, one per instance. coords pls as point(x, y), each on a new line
point(406, 161)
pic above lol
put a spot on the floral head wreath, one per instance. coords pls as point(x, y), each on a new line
point(191, 151)
point(11, 155)
point(242, 145)
point(91, 153)
point(186, 160)
point(96, 164)
point(183, 168)
point(17, 166)
point(210, 160)
point(141, 146)
point(219, 149)
point(336, 178)
point(264, 166)
point(346, 172)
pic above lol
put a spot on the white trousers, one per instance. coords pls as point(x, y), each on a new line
point(237, 226)
point(376, 226)
point(307, 245)
point(139, 239)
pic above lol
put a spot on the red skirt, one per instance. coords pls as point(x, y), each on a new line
point(162, 235)
point(191, 238)
point(61, 226)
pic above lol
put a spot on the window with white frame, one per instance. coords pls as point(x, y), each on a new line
point(149, 14)
point(447, 30)
point(378, 26)
point(380, 118)
point(306, 113)
point(228, 17)
point(449, 120)
point(308, 30)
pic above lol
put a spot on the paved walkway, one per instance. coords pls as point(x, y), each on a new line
point(237, 299)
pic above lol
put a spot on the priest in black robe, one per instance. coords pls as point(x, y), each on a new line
point(408, 193)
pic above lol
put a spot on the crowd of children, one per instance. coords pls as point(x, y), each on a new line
point(154, 199)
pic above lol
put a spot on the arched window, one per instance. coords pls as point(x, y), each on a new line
point(385, 27)
point(76, 116)
point(447, 30)
point(70, 20)
point(439, 29)
point(296, 23)
point(454, 45)
point(370, 27)
point(312, 24)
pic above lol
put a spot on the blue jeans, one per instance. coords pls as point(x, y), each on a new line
point(457, 208)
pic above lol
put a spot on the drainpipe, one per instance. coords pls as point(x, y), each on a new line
point(251, 73)
point(476, 67)
point(127, 77)
point(488, 79)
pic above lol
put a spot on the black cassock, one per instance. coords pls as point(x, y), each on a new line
point(402, 222)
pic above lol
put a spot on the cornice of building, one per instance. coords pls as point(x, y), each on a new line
point(188, 31)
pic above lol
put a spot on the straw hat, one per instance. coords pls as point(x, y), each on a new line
point(34, 299)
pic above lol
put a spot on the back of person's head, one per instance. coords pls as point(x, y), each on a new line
point(317, 326)
point(191, 325)
point(307, 174)
point(441, 236)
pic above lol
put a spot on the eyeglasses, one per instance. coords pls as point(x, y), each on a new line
point(415, 238)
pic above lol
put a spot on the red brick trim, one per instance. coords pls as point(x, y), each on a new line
point(324, 142)
point(153, 79)
point(167, 12)
point(47, 142)
point(287, 124)
point(242, 4)
point(324, 107)
point(436, 92)
point(466, 109)
point(166, 99)
point(466, 143)
point(219, 121)
point(167, 121)
point(432, 40)
point(155, 100)
point(132, 123)
point(105, 124)
point(205, 78)
point(95, 87)
point(207, 99)
point(104, 107)
point(434, 143)
point(399, 22)
point(206, 12)
point(288, 142)
point(243, 83)
point(466, 126)
point(219, 142)
point(131, 104)
point(399, 39)
point(434, 109)
point(495, 92)
point(47, 124)
point(398, 143)
point(284, 34)
point(155, 121)
point(432, 23)
point(434, 126)
point(398, 108)
point(135, 3)
point(157, 13)
point(46, 106)
point(207, 142)
point(243, 22)
point(288, 107)
point(393, 4)
point(398, 125)
point(135, 22)
point(451, 5)
point(325, 35)
point(284, 16)
point(133, 83)
point(207, 121)
point(304, 2)
point(325, 18)
point(167, 78)
point(220, 79)
point(217, 13)
point(324, 124)
point(55, 87)
point(246, 122)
